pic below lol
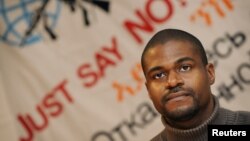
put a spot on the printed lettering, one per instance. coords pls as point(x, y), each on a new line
point(203, 11)
point(49, 103)
point(226, 90)
point(121, 89)
point(237, 39)
point(154, 17)
point(88, 75)
point(242, 72)
point(107, 56)
point(144, 24)
point(27, 128)
point(52, 104)
point(230, 133)
point(100, 135)
point(113, 50)
point(142, 117)
point(215, 132)
point(103, 62)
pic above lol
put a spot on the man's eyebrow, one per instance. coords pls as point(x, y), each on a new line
point(154, 69)
point(184, 59)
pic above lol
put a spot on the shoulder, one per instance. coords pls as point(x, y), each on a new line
point(243, 117)
point(236, 117)
point(158, 137)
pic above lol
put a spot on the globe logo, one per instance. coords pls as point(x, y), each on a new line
point(16, 18)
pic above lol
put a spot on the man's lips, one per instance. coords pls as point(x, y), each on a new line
point(176, 95)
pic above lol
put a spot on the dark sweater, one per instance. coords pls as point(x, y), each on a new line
point(219, 116)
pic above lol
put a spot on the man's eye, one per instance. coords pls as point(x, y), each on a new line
point(159, 75)
point(185, 68)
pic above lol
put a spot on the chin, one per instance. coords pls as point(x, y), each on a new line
point(182, 113)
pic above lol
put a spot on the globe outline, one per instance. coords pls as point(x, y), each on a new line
point(26, 15)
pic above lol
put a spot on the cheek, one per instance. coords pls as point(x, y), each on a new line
point(155, 92)
point(199, 84)
point(156, 99)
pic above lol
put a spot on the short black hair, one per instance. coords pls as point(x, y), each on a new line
point(166, 35)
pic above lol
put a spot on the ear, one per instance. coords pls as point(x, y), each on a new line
point(211, 73)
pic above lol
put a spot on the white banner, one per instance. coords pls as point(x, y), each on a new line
point(71, 71)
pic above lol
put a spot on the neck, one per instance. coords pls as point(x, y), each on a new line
point(198, 132)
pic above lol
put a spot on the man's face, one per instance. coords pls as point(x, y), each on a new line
point(176, 79)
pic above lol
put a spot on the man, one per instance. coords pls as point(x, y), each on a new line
point(178, 80)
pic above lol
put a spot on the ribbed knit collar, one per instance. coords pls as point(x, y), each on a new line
point(197, 133)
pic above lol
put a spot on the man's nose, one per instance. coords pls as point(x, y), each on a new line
point(174, 79)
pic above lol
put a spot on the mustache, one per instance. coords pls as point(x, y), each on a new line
point(176, 89)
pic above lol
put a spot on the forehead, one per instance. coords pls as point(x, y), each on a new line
point(170, 52)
